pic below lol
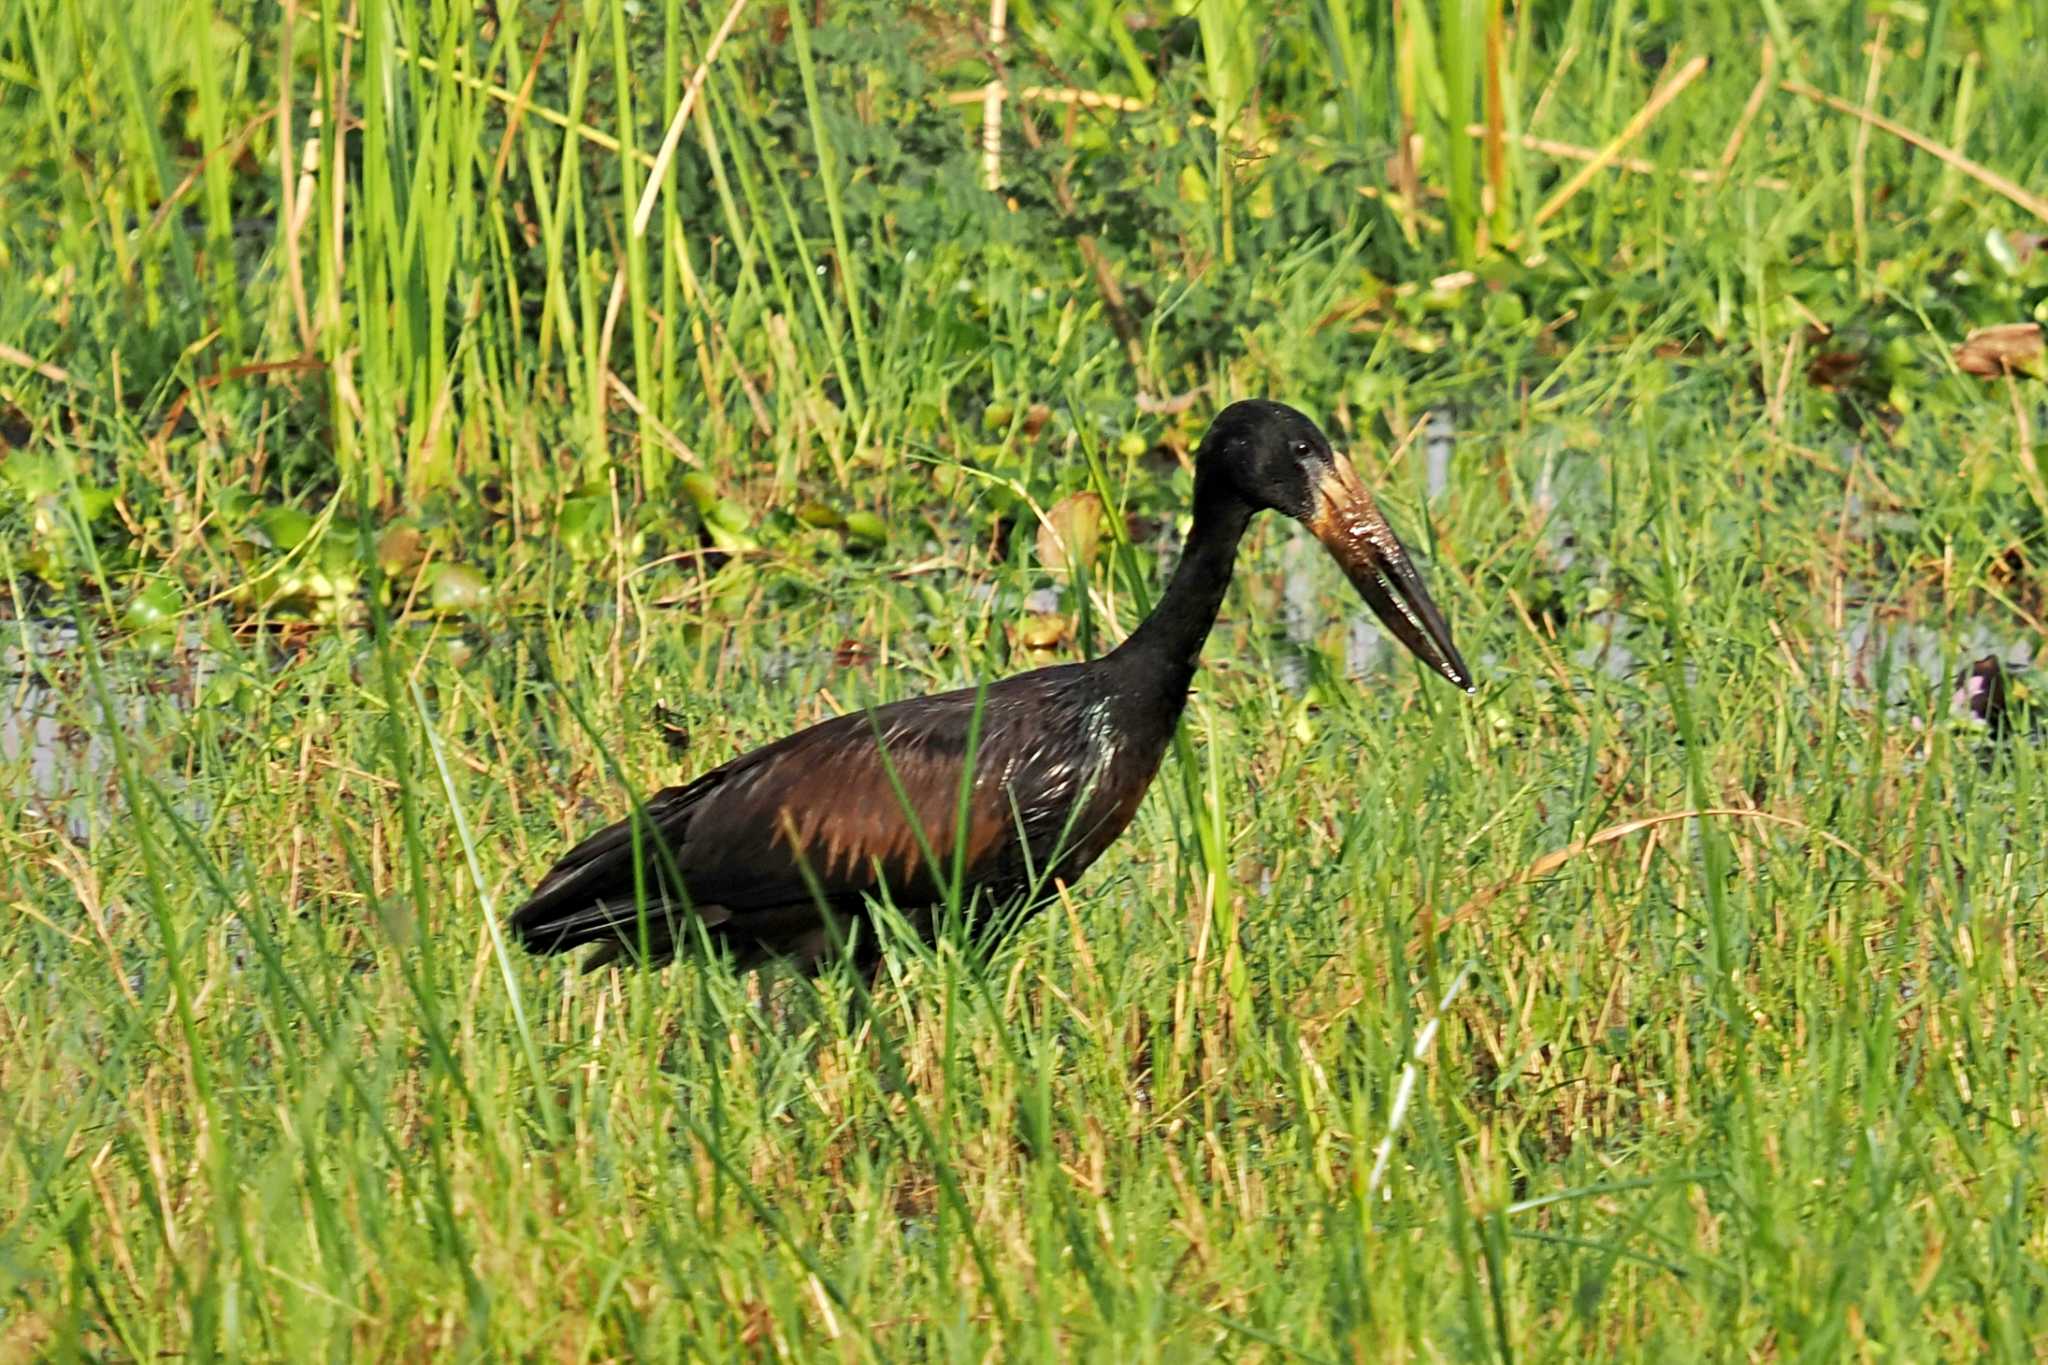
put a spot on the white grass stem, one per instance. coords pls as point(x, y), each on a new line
point(1404, 1091)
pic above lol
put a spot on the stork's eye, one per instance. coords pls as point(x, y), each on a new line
point(1301, 449)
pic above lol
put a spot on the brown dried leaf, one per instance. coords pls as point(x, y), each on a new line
point(400, 548)
point(1071, 535)
point(2008, 348)
point(1832, 369)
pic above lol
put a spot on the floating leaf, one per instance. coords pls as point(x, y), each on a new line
point(702, 491)
point(866, 530)
point(46, 482)
point(1042, 631)
point(726, 524)
point(458, 588)
point(581, 525)
point(35, 475)
point(282, 528)
point(155, 606)
point(818, 516)
point(727, 515)
point(2005, 349)
point(1071, 535)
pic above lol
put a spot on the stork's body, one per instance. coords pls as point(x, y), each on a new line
point(776, 854)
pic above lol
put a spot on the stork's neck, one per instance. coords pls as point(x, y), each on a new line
point(1167, 645)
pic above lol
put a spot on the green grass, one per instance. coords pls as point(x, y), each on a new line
point(388, 621)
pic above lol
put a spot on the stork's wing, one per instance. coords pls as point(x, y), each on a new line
point(749, 850)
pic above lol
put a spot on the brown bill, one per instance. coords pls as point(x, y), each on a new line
point(1350, 526)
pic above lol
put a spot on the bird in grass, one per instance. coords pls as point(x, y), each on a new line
point(780, 853)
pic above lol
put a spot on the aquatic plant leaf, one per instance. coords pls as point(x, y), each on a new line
point(1071, 536)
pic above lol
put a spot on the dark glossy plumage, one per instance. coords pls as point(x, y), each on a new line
point(777, 853)
point(1063, 756)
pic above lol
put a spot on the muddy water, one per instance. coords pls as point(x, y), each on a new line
point(1880, 656)
point(57, 764)
point(56, 757)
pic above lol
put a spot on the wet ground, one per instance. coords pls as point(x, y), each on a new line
point(54, 749)
point(56, 752)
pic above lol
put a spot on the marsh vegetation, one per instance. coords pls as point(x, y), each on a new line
point(392, 484)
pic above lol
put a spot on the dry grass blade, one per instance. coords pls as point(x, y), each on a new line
point(1552, 861)
point(1644, 116)
point(1054, 94)
point(1859, 175)
point(584, 132)
point(13, 356)
point(1404, 1089)
point(675, 443)
point(1983, 175)
point(2023, 441)
point(1751, 107)
point(658, 175)
point(992, 100)
point(1572, 151)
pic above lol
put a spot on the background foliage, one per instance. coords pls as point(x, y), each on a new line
point(373, 472)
